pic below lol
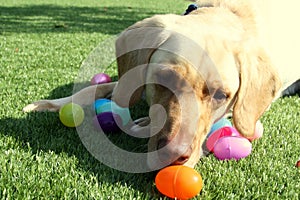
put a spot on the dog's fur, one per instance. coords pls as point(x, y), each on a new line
point(206, 63)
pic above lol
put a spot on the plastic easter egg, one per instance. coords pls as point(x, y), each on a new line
point(258, 133)
point(230, 147)
point(221, 132)
point(113, 107)
point(108, 122)
point(100, 79)
point(71, 115)
point(179, 182)
point(298, 164)
point(99, 102)
point(219, 124)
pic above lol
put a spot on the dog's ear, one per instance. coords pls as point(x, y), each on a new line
point(132, 77)
point(134, 48)
point(259, 84)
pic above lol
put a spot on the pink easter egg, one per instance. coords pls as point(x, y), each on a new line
point(258, 133)
point(219, 124)
point(215, 136)
point(232, 147)
point(100, 79)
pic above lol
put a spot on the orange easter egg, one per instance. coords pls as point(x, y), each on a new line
point(179, 182)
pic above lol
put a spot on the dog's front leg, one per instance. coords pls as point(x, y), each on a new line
point(83, 97)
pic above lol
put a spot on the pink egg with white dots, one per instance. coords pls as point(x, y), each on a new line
point(258, 132)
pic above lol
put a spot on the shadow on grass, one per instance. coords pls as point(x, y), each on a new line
point(44, 132)
point(54, 18)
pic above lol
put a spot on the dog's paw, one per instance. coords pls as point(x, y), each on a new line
point(139, 128)
point(43, 105)
point(145, 121)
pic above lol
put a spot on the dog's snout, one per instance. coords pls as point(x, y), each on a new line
point(177, 154)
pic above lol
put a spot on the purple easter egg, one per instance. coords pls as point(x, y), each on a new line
point(232, 147)
point(108, 122)
point(100, 78)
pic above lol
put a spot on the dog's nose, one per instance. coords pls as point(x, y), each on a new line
point(182, 159)
point(178, 154)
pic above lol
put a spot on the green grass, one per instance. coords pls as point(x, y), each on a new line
point(42, 46)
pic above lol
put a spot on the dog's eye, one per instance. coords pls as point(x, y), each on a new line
point(220, 95)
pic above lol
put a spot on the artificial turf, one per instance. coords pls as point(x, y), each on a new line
point(42, 47)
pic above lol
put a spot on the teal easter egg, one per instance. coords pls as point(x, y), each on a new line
point(219, 124)
point(114, 108)
point(100, 102)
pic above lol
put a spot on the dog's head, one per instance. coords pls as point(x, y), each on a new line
point(197, 68)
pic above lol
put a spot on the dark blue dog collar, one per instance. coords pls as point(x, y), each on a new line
point(191, 8)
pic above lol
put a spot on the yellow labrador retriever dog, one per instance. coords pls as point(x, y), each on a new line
point(226, 55)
